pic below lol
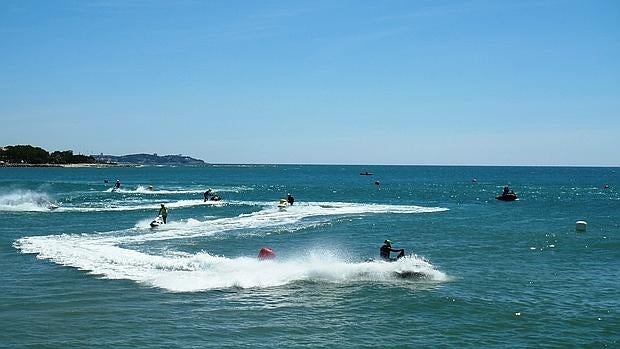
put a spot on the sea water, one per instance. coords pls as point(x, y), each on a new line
point(92, 273)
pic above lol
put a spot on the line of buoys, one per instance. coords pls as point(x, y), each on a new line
point(581, 226)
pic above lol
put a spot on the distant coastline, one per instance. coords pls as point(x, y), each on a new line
point(85, 165)
point(148, 160)
point(31, 156)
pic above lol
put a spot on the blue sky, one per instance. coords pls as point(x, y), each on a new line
point(326, 82)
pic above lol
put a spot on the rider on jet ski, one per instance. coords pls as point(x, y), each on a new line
point(385, 250)
point(163, 212)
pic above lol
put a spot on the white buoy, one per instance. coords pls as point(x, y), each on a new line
point(581, 225)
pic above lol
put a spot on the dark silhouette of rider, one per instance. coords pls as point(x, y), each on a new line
point(385, 250)
point(290, 199)
point(163, 212)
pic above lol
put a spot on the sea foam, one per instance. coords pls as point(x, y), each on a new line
point(107, 254)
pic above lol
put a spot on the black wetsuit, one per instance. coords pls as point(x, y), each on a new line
point(290, 199)
point(385, 250)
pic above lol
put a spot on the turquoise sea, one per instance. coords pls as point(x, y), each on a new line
point(491, 274)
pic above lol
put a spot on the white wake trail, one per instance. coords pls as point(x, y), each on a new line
point(106, 254)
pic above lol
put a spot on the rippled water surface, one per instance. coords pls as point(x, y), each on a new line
point(486, 273)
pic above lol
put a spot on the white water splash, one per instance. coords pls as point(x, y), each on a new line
point(137, 205)
point(144, 189)
point(25, 201)
point(105, 254)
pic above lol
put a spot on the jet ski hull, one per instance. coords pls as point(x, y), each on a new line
point(507, 197)
point(157, 222)
point(407, 274)
point(282, 204)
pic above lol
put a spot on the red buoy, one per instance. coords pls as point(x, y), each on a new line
point(266, 253)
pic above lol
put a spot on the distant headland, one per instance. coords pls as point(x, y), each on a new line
point(149, 159)
point(31, 156)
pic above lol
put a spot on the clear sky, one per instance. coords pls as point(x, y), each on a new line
point(322, 82)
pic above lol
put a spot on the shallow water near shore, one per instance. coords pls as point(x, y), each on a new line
point(93, 273)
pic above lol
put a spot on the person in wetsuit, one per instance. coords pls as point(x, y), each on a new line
point(290, 199)
point(163, 212)
point(385, 250)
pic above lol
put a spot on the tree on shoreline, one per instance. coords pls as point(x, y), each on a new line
point(35, 155)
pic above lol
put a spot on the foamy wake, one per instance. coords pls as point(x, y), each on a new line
point(107, 254)
point(136, 205)
point(145, 189)
point(25, 201)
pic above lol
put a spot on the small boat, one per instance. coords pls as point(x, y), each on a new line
point(365, 173)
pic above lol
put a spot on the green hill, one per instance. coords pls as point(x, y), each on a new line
point(149, 159)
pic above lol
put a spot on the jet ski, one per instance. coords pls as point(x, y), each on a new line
point(390, 260)
point(408, 274)
point(157, 222)
point(52, 207)
point(507, 197)
point(282, 204)
point(399, 256)
point(404, 274)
